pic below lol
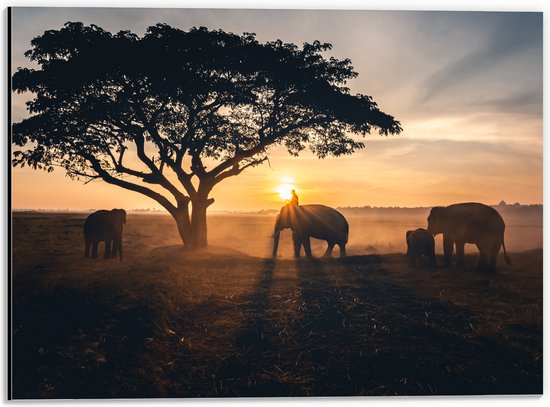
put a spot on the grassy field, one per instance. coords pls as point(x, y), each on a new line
point(233, 322)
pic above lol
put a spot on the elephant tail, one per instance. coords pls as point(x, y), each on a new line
point(507, 258)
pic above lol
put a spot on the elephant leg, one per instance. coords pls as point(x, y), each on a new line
point(117, 244)
point(297, 241)
point(107, 249)
point(94, 250)
point(115, 249)
point(493, 253)
point(459, 254)
point(328, 252)
point(120, 249)
point(431, 257)
point(448, 250)
point(342, 247)
point(87, 245)
point(307, 246)
point(483, 248)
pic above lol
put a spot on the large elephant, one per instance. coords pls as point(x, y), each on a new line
point(420, 243)
point(469, 223)
point(104, 226)
point(317, 221)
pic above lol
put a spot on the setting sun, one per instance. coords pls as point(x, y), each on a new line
point(284, 191)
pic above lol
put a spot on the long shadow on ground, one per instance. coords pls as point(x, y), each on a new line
point(310, 327)
point(367, 337)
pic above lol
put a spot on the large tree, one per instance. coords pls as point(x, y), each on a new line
point(196, 107)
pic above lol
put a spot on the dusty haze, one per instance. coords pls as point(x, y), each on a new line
point(372, 230)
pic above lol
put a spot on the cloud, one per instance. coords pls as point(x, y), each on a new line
point(498, 65)
point(529, 101)
point(467, 87)
point(454, 157)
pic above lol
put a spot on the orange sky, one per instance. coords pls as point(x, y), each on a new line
point(467, 88)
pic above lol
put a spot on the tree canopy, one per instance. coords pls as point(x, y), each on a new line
point(178, 98)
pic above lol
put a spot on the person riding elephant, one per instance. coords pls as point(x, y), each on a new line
point(317, 221)
point(420, 243)
point(104, 226)
point(470, 222)
point(294, 198)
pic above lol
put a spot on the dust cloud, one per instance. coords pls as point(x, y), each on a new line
point(372, 230)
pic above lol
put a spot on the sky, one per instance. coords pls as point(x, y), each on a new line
point(467, 88)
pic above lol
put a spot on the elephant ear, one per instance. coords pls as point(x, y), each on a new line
point(120, 214)
point(439, 211)
point(283, 217)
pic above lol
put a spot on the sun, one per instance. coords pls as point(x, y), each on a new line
point(284, 191)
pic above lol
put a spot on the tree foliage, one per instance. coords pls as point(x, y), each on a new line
point(178, 99)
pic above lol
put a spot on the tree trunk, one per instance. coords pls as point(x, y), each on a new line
point(198, 225)
point(181, 216)
point(192, 229)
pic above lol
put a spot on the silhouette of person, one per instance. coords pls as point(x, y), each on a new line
point(294, 198)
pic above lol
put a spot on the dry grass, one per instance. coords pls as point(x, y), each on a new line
point(163, 323)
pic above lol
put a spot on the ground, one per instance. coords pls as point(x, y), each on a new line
point(225, 323)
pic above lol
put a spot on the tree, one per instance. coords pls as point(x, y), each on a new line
point(196, 107)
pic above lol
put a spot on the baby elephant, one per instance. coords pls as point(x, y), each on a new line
point(420, 243)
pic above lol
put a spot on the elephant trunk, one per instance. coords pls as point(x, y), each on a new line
point(276, 236)
point(275, 244)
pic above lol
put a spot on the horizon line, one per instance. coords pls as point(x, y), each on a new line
point(155, 210)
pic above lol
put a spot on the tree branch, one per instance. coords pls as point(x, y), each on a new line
point(236, 170)
point(183, 177)
point(258, 148)
point(91, 177)
point(156, 177)
point(96, 165)
point(197, 166)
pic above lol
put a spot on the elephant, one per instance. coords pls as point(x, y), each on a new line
point(420, 243)
point(104, 225)
point(317, 221)
point(469, 222)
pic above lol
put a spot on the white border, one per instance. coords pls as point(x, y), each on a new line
point(474, 5)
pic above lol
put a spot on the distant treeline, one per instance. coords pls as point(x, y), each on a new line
point(348, 210)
